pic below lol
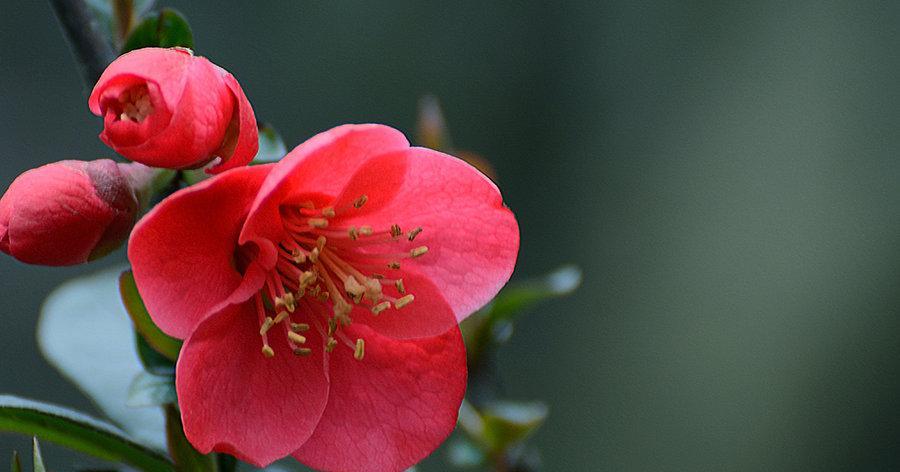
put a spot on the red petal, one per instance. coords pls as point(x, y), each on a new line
point(393, 408)
point(235, 400)
point(164, 67)
point(472, 238)
point(242, 146)
point(320, 166)
point(182, 252)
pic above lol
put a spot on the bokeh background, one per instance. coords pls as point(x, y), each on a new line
point(726, 174)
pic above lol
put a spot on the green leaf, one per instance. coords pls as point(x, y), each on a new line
point(502, 424)
point(186, 458)
point(152, 390)
point(159, 341)
point(77, 431)
point(16, 463)
point(271, 146)
point(104, 14)
point(463, 454)
point(38, 458)
point(86, 334)
point(165, 29)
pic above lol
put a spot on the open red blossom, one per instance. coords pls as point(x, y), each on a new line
point(168, 108)
point(68, 212)
point(320, 296)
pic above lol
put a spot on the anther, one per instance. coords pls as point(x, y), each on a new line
point(298, 257)
point(267, 351)
point(287, 301)
point(314, 255)
point(393, 265)
point(404, 300)
point(302, 351)
point(354, 289)
point(267, 324)
point(297, 338)
point(396, 231)
point(365, 230)
point(360, 350)
point(308, 278)
point(317, 222)
point(380, 307)
point(299, 327)
point(400, 287)
point(353, 233)
point(330, 344)
point(373, 289)
point(360, 201)
point(281, 316)
point(320, 243)
point(412, 234)
point(416, 252)
point(328, 212)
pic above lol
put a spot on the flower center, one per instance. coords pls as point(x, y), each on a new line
point(135, 104)
point(323, 272)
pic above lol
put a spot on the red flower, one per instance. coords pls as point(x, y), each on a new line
point(320, 297)
point(68, 212)
point(168, 108)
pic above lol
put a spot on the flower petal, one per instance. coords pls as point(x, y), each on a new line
point(182, 252)
point(472, 238)
point(391, 409)
point(164, 67)
point(320, 166)
point(235, 400)
point(241, 138)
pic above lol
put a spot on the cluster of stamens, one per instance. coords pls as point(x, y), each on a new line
point(135, 104)
point(322, 274)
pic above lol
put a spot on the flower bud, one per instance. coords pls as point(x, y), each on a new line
point(168, 108)
point(68, 212)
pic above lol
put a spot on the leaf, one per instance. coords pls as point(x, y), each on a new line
point(38, 458)
point(502, 424)
point(271, 146)
point(152, 390)
point(153, 361)
point(187, 459)
point(16, 463)
point(463, 454)
point(165, 29)
point(159, 341)
point(77, 431)
point(85, 333)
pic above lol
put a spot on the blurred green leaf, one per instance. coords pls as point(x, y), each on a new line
point(77, 431)
point(86, 334)
point(103, 12)
point(165, 29)
point(271, 146)
point(187, 459)
point(152, 390)
point(500, 425)
point(159, 341)
point(16, 463)
point(463, 454)
point(38, 458)
point(152, 360)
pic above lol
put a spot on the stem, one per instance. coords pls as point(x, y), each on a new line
point(90, 48)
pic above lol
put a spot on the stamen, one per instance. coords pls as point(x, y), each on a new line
point(354, 289)
point(268, 351)
point(396, 231)
point(330, 344)
point(416, 252)
point(400, 287)
point(360, 350)
point(393, 265)
point(360, 201)
point(314, 255)
point(320, 243)
point(328, 212)
point(287, 301)
point(302, 351)
point(299, 327)
point(266, 326)
point(353, 233)
point(365, 230)
point(307, 278)
point(281, 316)
point(404, 300)
point(380, 307)
point(412, 234)
point(317, 222)
point(297, 338)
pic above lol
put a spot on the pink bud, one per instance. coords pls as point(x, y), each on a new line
point(68, 212)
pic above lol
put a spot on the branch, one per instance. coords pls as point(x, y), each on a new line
point(90, 48)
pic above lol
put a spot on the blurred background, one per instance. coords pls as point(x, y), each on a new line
point(726, 174)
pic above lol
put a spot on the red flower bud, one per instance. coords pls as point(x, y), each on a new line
point(68, 212)
point(168, 108)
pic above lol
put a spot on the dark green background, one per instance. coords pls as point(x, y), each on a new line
point(726, 173)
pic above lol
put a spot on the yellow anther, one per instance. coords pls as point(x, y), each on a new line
point(287, 301)
point(365, 230)
point(360, 350)
point(360, 201)
point(281, 316)
point(373, 289)
point(320, 243)
point(404, 300)
point(328, 212)
point(380, 307)
point(330, 344)
point(317, 222)
point(307, 278)
point(396, 231)
point(298, 257)
point(377, 276)
point(354, 288)
point(332, 326)
point(267, 324)
point(400, 287)
point(416, 252)
point(302, 351)
point(353, 233)
point(324, 296)
point(314, 255)
point(393, 265)
point(412, 234)
point(341, 307)
point(299, 327)
point(297, 338)
point(267, 351)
